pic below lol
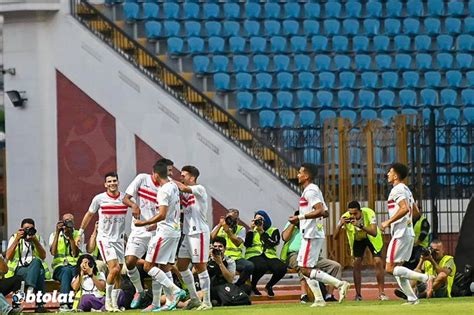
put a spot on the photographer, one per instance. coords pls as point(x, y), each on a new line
point(421, 227)
point(64, 249)
point(25, 255)
point(261, 243)
point(234, 234)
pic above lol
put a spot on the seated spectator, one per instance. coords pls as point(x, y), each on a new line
point(65, 251)
point(94, 251)
point(8, 286)
point(261, 242)
point(25, 254)
point(221, 268)
point(234, 234)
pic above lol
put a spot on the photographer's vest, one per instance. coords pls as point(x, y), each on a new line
point(64, 252)
point(417, 229)
point(257, 246)
point(234, 252)
point(286, 246)
point(13, 264)
point(429, 270)
point(367, 214)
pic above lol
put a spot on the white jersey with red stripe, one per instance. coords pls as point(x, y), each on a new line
point(144, 190)
point(194, 207)
point(404, 225)
point(168, 195)
point(112, 214)
point(311, 228)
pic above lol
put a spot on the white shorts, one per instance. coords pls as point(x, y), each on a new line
point(309, 252)
point(399, 249)
point(111, 250)
point(196, 247)
point(162, 250)
point(137, 245)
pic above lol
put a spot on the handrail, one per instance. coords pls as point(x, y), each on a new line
point(192, 98)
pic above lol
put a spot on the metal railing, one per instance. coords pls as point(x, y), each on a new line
point(157, 71)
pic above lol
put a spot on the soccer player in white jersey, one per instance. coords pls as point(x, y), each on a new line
point(195, 245)
point(401, 206)
point(112, 212)
point(312, 210)
point(163, 245)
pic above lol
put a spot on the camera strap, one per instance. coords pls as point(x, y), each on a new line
point(30, 247)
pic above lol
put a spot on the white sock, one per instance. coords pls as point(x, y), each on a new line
point(325, 278)
point(406, 288)
point(205, 283)
point(314, 287)
point(158, 274)
point(404, 272)
point(188, 279)
point(115, 295)
point(134, 276)
point(156, 289)
point(108, 292)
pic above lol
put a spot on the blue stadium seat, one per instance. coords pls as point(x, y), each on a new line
point(445, 60)
point(272, 10)
point(231, 28)
point(298, 44)
point(131, 11)
point(292, 10)
point(401, 43)
point(371, 26)
point(407, 98)
point(244, 100)
point(360, 43)
point(394, 8)
point(312, 155)
point(311, 27)
point(201, 64)
point(423, 61)
point(332, 9)
point(214, 28)
point(152, 30)
point(278, 44)
point(350, 27)
point(373, 9)
point(464, 61)
point(290, 139)
point(319, 43)
point(342, 62)
point(291, 27)
point(362, 62)
point(349, 114)
point(435, 7)
point(411, 78)
point(323, 62)
point(326, 80)
point(369, 80)
point(444, 42)
point(326, 114)
point(150, 11)
point(264, 100)
point(305, 98)
point(389, 79)
point(432, 26)
point(392, 26)
point(383, 62)
point(455, 8)
point(366, 98)
point(252, 28)
point(211, 11)
point(457, 155)
point(266, 119)
point(340, 43)
point(236, 44)
point(222, 81)
point(470, 78)
point(409, 112)
point(381, 43)
point(302, 62)
point(307, 118)
point(216, 44)
point(171, 10)
point(284, 80)
point(388, 115)
point(325, 98)
point(411, 26)
point(220, 63)
point(331, 27)
point(263, 80)
point(190, 10)
point(465, 42)
point(468, 114)
point(347, 79)
point(453, 78)
point(432, 79)
point(258, 44)
point(422, 42)
point(240, 63)
point(448, 97)
point(312, 10)
point(281, 62)
point(452, 25)
point(353, 9)
point(284, 99)
point(172, 28)
point(231, 11)
point(414, 8)
point(272, 27)
point(452, 115)
point(386, 98)
point(175, 45)
point(287, 118)
point(368, 114)
point(403, 61)
point(192, 28)
point(467, 97)
point(306, 80)
point(243, 81)
point(345, 98)
point(253, 10)
point(429, 97)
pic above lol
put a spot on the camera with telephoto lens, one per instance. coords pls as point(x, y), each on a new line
point(230, 221)
point(426, 251)
point(29, 231)
point(258, 222)
point(216, 252)
point(68, 224)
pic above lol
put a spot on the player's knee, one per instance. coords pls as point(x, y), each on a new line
point(130, 262)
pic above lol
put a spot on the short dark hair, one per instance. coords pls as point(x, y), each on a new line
point(165, 161)
point(311, 169)
point(27, 220)
point(161, 169)
point(354, 204)
point(436, 241)
point(191, 170)
point(220, 239)
point(110, 174)
point(400, 169)
point(91, 259)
